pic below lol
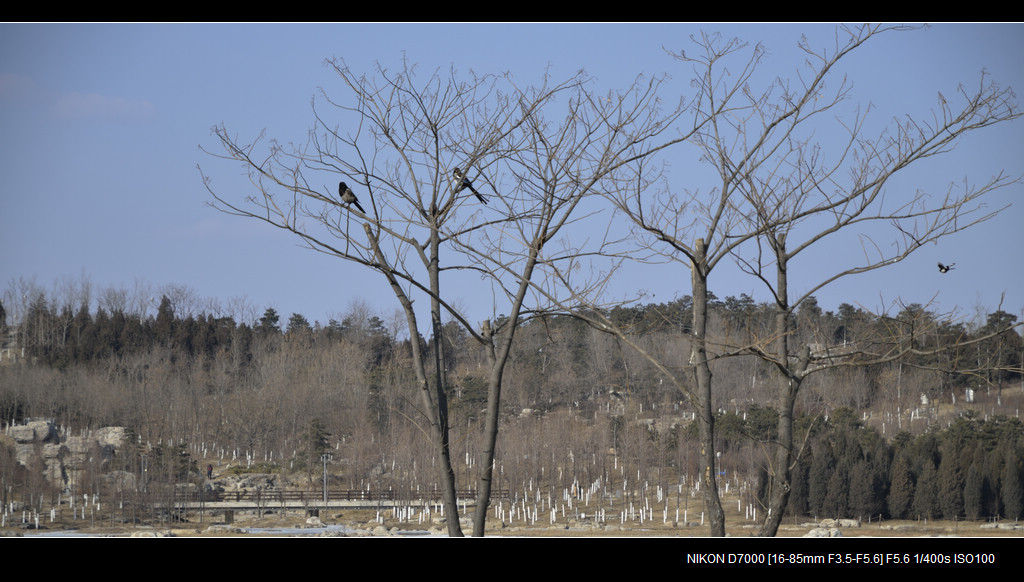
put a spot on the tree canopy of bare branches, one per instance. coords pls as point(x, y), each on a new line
point(783, 189)
point(395, 142)
point(406, 151)
point(440, 176)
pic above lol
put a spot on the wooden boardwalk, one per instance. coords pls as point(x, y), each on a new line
point(260, 499)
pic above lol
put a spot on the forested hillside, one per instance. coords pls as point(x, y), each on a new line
point(935, 434)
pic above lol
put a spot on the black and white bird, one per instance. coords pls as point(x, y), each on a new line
point(945, 268)
point(463, 183)
point(348, 197)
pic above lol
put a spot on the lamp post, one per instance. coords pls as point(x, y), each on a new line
point(323, 458)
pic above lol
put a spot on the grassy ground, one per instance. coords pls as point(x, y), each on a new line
point(737, 524)
point(366, 522)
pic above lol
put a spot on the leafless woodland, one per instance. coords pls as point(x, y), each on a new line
point(577, 384)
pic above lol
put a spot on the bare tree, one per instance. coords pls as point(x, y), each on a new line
point(781, 184)
point(530, 260)
point(696, 230)
point(772, 178)
point(399, 204)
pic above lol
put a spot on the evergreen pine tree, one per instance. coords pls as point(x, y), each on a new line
point(798, 493)
point(901, 489)
point(867, 490)
point(926, 504)
point(973, 492)
point(163, 329)
point(822, 468)
point(1012, 491)
point(298, 323)
point(315, 443)
point(268, 323)
point(950, 484)
point(993, 475)
point(837, 498)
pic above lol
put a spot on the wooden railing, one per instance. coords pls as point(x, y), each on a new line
point(280, 496)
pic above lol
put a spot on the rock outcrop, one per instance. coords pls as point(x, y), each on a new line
point(40, 441)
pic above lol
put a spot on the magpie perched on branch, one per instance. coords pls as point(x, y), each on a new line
point(945, 268)
point(348, 197)
point(463, 183)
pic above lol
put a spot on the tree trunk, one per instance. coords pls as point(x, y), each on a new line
point(483, 498)
point(780, 471)
point(705, 410)
point(497, 363)
point(451, 505)
point(790, 378)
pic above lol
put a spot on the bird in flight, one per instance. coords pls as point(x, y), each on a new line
point(945, 268)
point(465, 183)
point(348, 197)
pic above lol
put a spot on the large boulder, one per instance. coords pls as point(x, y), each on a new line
point(824, 532)
point(111, 436)
point(35, 431)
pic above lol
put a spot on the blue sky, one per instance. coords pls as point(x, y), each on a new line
point(101, 127)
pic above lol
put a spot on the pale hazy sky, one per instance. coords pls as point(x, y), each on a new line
point(101, 125)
